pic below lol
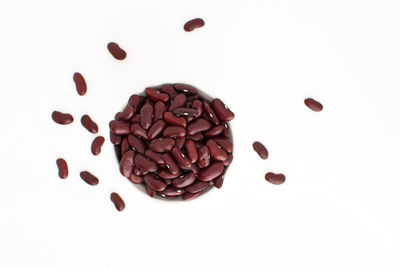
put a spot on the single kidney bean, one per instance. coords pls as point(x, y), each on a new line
point(214, 131)
point(125, 146)
point(313, 104)
point(274, 178)
point(260, 149)
point(199, 107)
point(171, 164)
point(208, 110)
point(225, 143)
point(171, 191)
point(211, 172)
point(115, 139)
point(136, 143)
point(185, 112)
point(144, 164)
point(152, 181)
point(167, 88)
point(193, 24)
point(120, 128)
point(150, 191)
point(89, 124)
point(196, 187)
point(118, 201)
point(174, 131)
point(191, 196)
point(226, 131)
point(62, 118)
point(180, 158)
point(229, 160)
point(62, 168)
point(159, 109)
point(135, 118)
point(126, 114)
point(223, 112)
point(157, 157)
point(136, 179)
point(219, 180)
point(155, 129)
point(136, 101)
point(156, 95)
point(178, 102)
point(196, 137)
point(216, 152)
point(97, 144)
point(161, 144)
point(165, 174)
point(186, 88)
point(116, 51)
point(204, 157)
point(137, 130)
point(191, 150)
point(146, 116)
point(198, 126)
point(80, 83)
point(127, 163)
point(89, 178)
point(184, 181)
point(174, 120)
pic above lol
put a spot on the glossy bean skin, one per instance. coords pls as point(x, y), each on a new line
point(116, 51)
point(138, 130)
point(80, 83)
point(186, 88)
point(146, 116)
point(214, 131)
point(156, 157)
point(225, 143)
point(198, 126)
point(159, 109)
point(97, 144)
point(180, 158)
point(144, 165)
point(174, 131)
point(193, 24)
point(136, 179)
point(115, 139)
point(89, 178)
point(118, 201)
point(127, 163)
point(125, 146)
point(165, 174)
point(155, 183)
point(62, 168)
point(173, 191)
point(219, 180)
point(204, 157)
point(211, 172)
point(156, 96)
point(120, 128)
point(62, 118)
point(169, 89)
point(171, 163)
point(191, 196)
point(171, 119)
point(198, 105)
point(209, 111)
point(260, 149)
point(136, 102)
point(313, 104)
point(185, 112)
point(275, 178)
point(223, 112)
point(162, 144)
point(136, 143)
point(178, 102)
point(226, 131)
point(196, 187)
point(156, 129)
point(196, 137)
point(126, 114)
point(180, 142)
point(184, 181)
point(191, 151)
point(216, 152)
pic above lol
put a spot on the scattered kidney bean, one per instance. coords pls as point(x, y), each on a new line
point(216, 152)
point(211, 172)
point(80, 83)
point(313, 104)
point(126, 114)
point(274, 178)
point(62, 118)
point(62, 168)
point(89, 178)
point(118, 201)
point(193, 24)
point(156, 95)
point(89, 124)
point(120, 128)
point(97, 144)
point(116, 51)
point(222, 110)
point(260, 149)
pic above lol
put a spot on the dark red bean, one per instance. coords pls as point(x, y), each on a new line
point(193, 24)
point(180, 158)
point(144, 164)
point(180, 142)
point(115, 139)
point(216, 152)
point(186, 88)
point(191, 196)
point(185, 112)
point(89, 178)
point(156, 157)
point(208, 110)
point(170, 163)
point(127, 113)
point(174, 120)
point(184, 181)
point(136, 179)
point(226, 131)
point(178, 102)
point(165, 174)
point(167, 88)
point(313, 104)
point(136, 101)
point(135, 118)
point(97, 144)
point(116, 51)
point(120, 128)
point(198, 126)
point(89, 124)
point(199, 107)
point(118, 201)
point(214, 131)
point(151, 180)
point(146, 116)
point(197, 186)
point(191, 150)
point(174, 131)
point(260, 149)
point(137, 171)
point(127, 163)
point(159, 109)
point(225, 143)
point(167, 181)
point(197, 137)
point(150, 191)
point(204, 157)
point(136, 143)
point(211, 172)
point(125, 146)
point(171, 191)
point(219, 180)
point(274, 178)
point(192, 98)
point(156, 129)
point(229, 160)
point(223, 112)
point(62, 168)
point(80, 83)
point(156, 95)
point(137, 130)
point(62, 118)
point(161, 144)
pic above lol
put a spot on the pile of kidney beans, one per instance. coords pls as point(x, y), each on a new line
point(173, 141)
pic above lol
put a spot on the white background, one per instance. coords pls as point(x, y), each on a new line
point(340, 203)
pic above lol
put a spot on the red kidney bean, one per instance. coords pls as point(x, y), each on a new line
point(167, 181)
point(115, 139)
point(274, 178)
point(161, 144)
point(178, 102)
point(170, 163)
point(199, 107)
point(159, 109)
point(97, 144)
point(219, 180)
point(191, 98)
point(150, 191)
point(127, 163)
point(152, 181)
point(135, 118)
point(62, 168)
point(214, 131)
point(167, 88)
point(186, 88)
point(226, 131)
point(136, 101)
point(126, 114)
point(62, 118)
point(165, 174)
point(146, 116)
point(313, 104)
point(211, 172)
point(191, 151)
point(136, 143)
point(120, 128)
point(196, 187)
point(89, 178)
point(155, 129)
point(191, 196)
point(171, 191)
point(137, 130)
point(193, 24)
point(229, 160)
point(156, 95)
point(204, 157)
point(198, 126)
point(223, 112)
point(125, 146)
point(197, 137)
point(185, 112)
point(180, 142)
point(180, 158)
point(260, 149)
point(118, 201)
point(216, 152)
point(208, 110)
point(174, 131)
point(136, 179)
point(225, 143)
point(89, 124)
point(80, 83)
point(184, 181)
point(116, 51)
point(157, 157)
point(174, 120)
point(144, 164)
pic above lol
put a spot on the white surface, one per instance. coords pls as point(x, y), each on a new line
point(340, 204)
